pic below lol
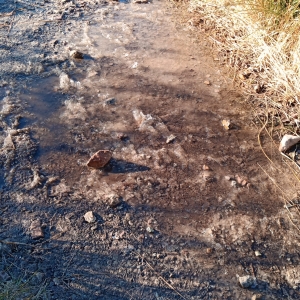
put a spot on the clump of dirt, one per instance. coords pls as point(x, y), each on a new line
point(169, 216)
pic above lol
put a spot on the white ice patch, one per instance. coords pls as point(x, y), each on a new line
point(65, 82)
point(74, 110)
point(7, 106)
point(155, 126)
point(144, 122)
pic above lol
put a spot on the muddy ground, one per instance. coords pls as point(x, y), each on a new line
point(178, 220)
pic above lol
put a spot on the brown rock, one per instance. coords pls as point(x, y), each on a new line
point(99, 159)
point(36, 230)
point(244, 183)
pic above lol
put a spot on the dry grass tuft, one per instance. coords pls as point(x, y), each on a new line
point(260, 40)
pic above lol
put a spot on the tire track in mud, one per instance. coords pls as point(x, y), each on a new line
point(141, 81)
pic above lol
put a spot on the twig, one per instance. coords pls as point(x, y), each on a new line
point(15, 243)
point(286, 200)
point(7, 14)
point(286, 156)
point(252, 270)
point(259, 141)
point(68, 264)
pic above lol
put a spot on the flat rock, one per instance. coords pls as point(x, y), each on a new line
point(99, 159)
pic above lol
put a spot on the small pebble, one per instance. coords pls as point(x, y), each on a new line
point(89, 217)
point(209, 250)
point(257, 253)
point(150, 229)
point(114, 201)
point(233, 183)
point(170, 138)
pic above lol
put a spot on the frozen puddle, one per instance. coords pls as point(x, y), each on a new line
point(81, 106)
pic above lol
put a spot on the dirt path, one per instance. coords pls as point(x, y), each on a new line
point(181, 219)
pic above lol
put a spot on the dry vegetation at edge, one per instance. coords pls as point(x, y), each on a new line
point(260, 40)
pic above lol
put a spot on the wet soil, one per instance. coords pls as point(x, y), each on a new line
point(176, 220)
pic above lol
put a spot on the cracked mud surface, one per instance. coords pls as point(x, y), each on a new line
point(181, 228)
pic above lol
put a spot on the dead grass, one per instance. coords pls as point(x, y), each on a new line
point(16, 283)
point(259, 40)
point(20, 288)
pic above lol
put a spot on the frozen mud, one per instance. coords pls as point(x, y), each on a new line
point(173, 217)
